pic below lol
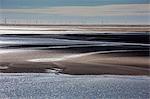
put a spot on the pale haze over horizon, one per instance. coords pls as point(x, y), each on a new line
point(75, 11)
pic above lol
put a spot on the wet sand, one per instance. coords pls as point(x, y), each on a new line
point(77, 54)
point(41, 61)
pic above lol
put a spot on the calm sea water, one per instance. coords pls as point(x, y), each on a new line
point(33, 86)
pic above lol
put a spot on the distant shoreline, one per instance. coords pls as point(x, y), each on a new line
point(74, 29)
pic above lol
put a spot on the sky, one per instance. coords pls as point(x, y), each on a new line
point(75, 11)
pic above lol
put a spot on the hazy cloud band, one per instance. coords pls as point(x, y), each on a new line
point(106, 10)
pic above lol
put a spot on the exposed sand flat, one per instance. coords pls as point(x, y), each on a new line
point(99, 52)
point(84, 64)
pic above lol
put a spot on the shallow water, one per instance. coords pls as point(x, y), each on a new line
point(33, 86)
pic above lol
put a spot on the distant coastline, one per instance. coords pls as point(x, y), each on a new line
point(76, 28)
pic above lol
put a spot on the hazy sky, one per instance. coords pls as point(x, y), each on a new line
point(75, 11)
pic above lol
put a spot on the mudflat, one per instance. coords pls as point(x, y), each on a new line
point(98, 52)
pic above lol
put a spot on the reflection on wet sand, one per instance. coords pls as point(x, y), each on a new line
point(75, 54)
